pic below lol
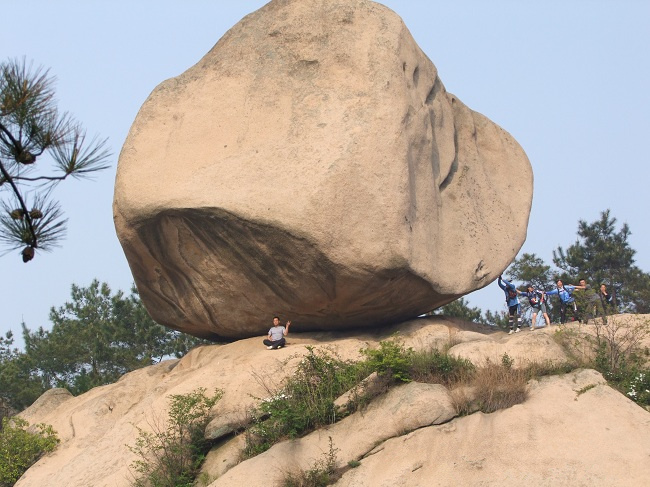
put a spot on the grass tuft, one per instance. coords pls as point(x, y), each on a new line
point(322, 473)
point(499, 386)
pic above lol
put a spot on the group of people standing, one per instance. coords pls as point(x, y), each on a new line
point(567, 302)
point(536, 299)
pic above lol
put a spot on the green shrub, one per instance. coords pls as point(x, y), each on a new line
point(171, 456)
point(549, 367)
point(637, 387)
point(507, 361)
point(304, 402)
point(391, 358)
point(436, 367)
point(616, 349)
point(629, 377)
point(406, 364)
point(619, 342)
point(20, 448)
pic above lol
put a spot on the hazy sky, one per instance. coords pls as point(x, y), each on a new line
point(570, 80)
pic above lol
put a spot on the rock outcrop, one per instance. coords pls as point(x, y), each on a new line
point(572, 430)
point(312, 165)
point(559, 436)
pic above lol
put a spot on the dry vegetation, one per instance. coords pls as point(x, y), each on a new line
point(618, 347)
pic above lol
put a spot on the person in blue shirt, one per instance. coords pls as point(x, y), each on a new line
point(537, 304)
point(565, 293)
point(512, 301)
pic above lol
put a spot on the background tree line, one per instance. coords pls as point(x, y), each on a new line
point(95, 338)
point(601, 254)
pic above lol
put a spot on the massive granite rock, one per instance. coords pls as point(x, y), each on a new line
point(312, 165)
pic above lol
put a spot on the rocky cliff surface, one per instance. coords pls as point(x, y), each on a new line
point(572, 430)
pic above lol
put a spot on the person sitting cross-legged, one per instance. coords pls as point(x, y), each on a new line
point(277, 333)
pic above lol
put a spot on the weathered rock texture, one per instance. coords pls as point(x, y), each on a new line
point(572, 430)
point(560, 436)
point(312, 165)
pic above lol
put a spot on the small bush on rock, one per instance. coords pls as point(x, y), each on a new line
point(21, 447)
point(171, 455)
point(436, 367)
point(499, 386)
point(391, 358)
point(637, 387)
point(618, 343)
point(321, 474)
point(614, 347)
point(304, 402)
point(549, 367)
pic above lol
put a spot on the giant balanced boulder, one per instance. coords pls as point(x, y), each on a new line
point(312, 165)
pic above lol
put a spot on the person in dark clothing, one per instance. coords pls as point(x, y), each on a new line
point(537, 304)
point(514, 315)
point(586, 302)
point(606, 300)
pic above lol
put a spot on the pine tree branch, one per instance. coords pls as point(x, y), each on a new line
point(19, 197)
point(42, 178)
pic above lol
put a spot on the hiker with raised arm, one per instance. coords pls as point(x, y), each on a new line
point(514, 315)
point(537, 304)
point(565, 293)
point(277, 333)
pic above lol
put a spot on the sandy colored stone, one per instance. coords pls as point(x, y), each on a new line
point(313, 165)
point(562, 435)
point(222, 458)
point(524, 348)
point(46, 403)
point(226, 423)
point(343, 402)
point(440, 333)
point(403, 409)
point(572, 430)
point(96, 427)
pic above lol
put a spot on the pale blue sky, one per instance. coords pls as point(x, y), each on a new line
point(569, 80)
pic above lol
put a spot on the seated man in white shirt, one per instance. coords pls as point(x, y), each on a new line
point(276, 334)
